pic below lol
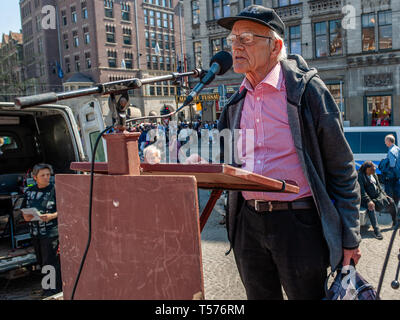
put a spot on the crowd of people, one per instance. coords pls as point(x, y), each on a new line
point(376, 198)
point(146, 138)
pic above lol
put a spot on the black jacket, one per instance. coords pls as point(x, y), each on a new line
point(368, 191)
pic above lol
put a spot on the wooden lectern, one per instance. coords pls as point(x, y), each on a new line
point(145, 223)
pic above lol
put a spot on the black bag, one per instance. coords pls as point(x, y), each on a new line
point(388, 172)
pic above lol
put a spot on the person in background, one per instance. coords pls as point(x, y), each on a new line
point(392, 186)
point(373, 197)
point(44, 233)
point(152, 155)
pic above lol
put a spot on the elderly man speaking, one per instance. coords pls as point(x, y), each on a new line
point(279, 239)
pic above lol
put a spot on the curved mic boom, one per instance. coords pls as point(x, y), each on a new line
point(219, 64)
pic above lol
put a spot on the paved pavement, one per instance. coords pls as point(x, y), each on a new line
point(221, 278)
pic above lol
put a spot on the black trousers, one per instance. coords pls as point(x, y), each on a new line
point(281, 248)
point(390, 206)
point(46, 254)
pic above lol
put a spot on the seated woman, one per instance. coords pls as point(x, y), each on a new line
point(373, 197)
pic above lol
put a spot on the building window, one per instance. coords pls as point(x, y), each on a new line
point(40, 45)
point(172, 43)
point(195, 12)
point(321, 40)
point(385, 29)
point(112, 58)
point(379, 109)
point(67, 65)
point(247, 3)
point(166, 41)
point(86, 35)
point(368, 32)
point(126, 14)
point(151, 12)
point(38, 23)
point(75, 39)
point(64, 17)
point(334, 89)
point(168, 63)
point(160, 41)
point(158, 15)
point(171, 21)
point(283, 3)
point(42, 70)
point(147, 39)
point(335, 38)
point(221, 8)
point(146, 19)
point(217, 9)
point(110, 33)
point(66, 42)
point(165, 20)
point(77, 64)
point(295, 40)
point(127, 36)
point(153, 40)
point(155, 62)
point(148, 62)
point(162, 63)
point(218, 45)
point(197, 54)
point(328, 32)
point(128, 60)
point(88, 60)
point(74, 18)
point(109, 8)
point(84, 10)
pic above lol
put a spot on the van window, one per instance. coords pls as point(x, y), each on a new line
point(100, 156)
point(368, 142)
point(354, 140)
point(374, 142)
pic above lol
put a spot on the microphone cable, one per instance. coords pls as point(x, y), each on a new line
point(90, 210)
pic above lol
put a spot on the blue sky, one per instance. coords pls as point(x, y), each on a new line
point(9, 16)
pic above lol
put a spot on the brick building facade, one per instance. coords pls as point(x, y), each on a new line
point(352, 43)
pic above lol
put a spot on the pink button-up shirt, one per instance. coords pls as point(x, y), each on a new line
point(274, 154)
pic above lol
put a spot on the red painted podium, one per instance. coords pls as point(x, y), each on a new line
point(145, 241)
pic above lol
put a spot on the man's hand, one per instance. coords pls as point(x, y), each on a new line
point(48, 216)
point(354, 254)
point(195, 159)
point(371, 206)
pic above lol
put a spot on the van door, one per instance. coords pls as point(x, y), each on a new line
point(91, 121)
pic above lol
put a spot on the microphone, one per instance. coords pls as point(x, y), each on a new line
point(219, 64)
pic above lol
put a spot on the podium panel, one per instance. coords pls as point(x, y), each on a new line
point(145, 237)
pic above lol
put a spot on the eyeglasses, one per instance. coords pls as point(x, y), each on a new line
point(246, 38)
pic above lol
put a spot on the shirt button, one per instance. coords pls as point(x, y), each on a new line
point(259, 143)
point(258, 161)
point(257, 120)
point(258, 98)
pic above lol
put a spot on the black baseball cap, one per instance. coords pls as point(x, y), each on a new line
point(259, 14)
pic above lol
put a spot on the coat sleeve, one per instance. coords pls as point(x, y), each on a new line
point(338, 161)
point(365, 199)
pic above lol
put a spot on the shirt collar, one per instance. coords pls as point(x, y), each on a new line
point(274, 78)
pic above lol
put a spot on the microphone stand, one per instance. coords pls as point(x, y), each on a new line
point(395, 283)
point(111, 88)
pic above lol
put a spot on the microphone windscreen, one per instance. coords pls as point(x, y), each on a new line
point(224, 59)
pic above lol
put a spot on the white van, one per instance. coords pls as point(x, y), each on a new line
point(368, 143)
